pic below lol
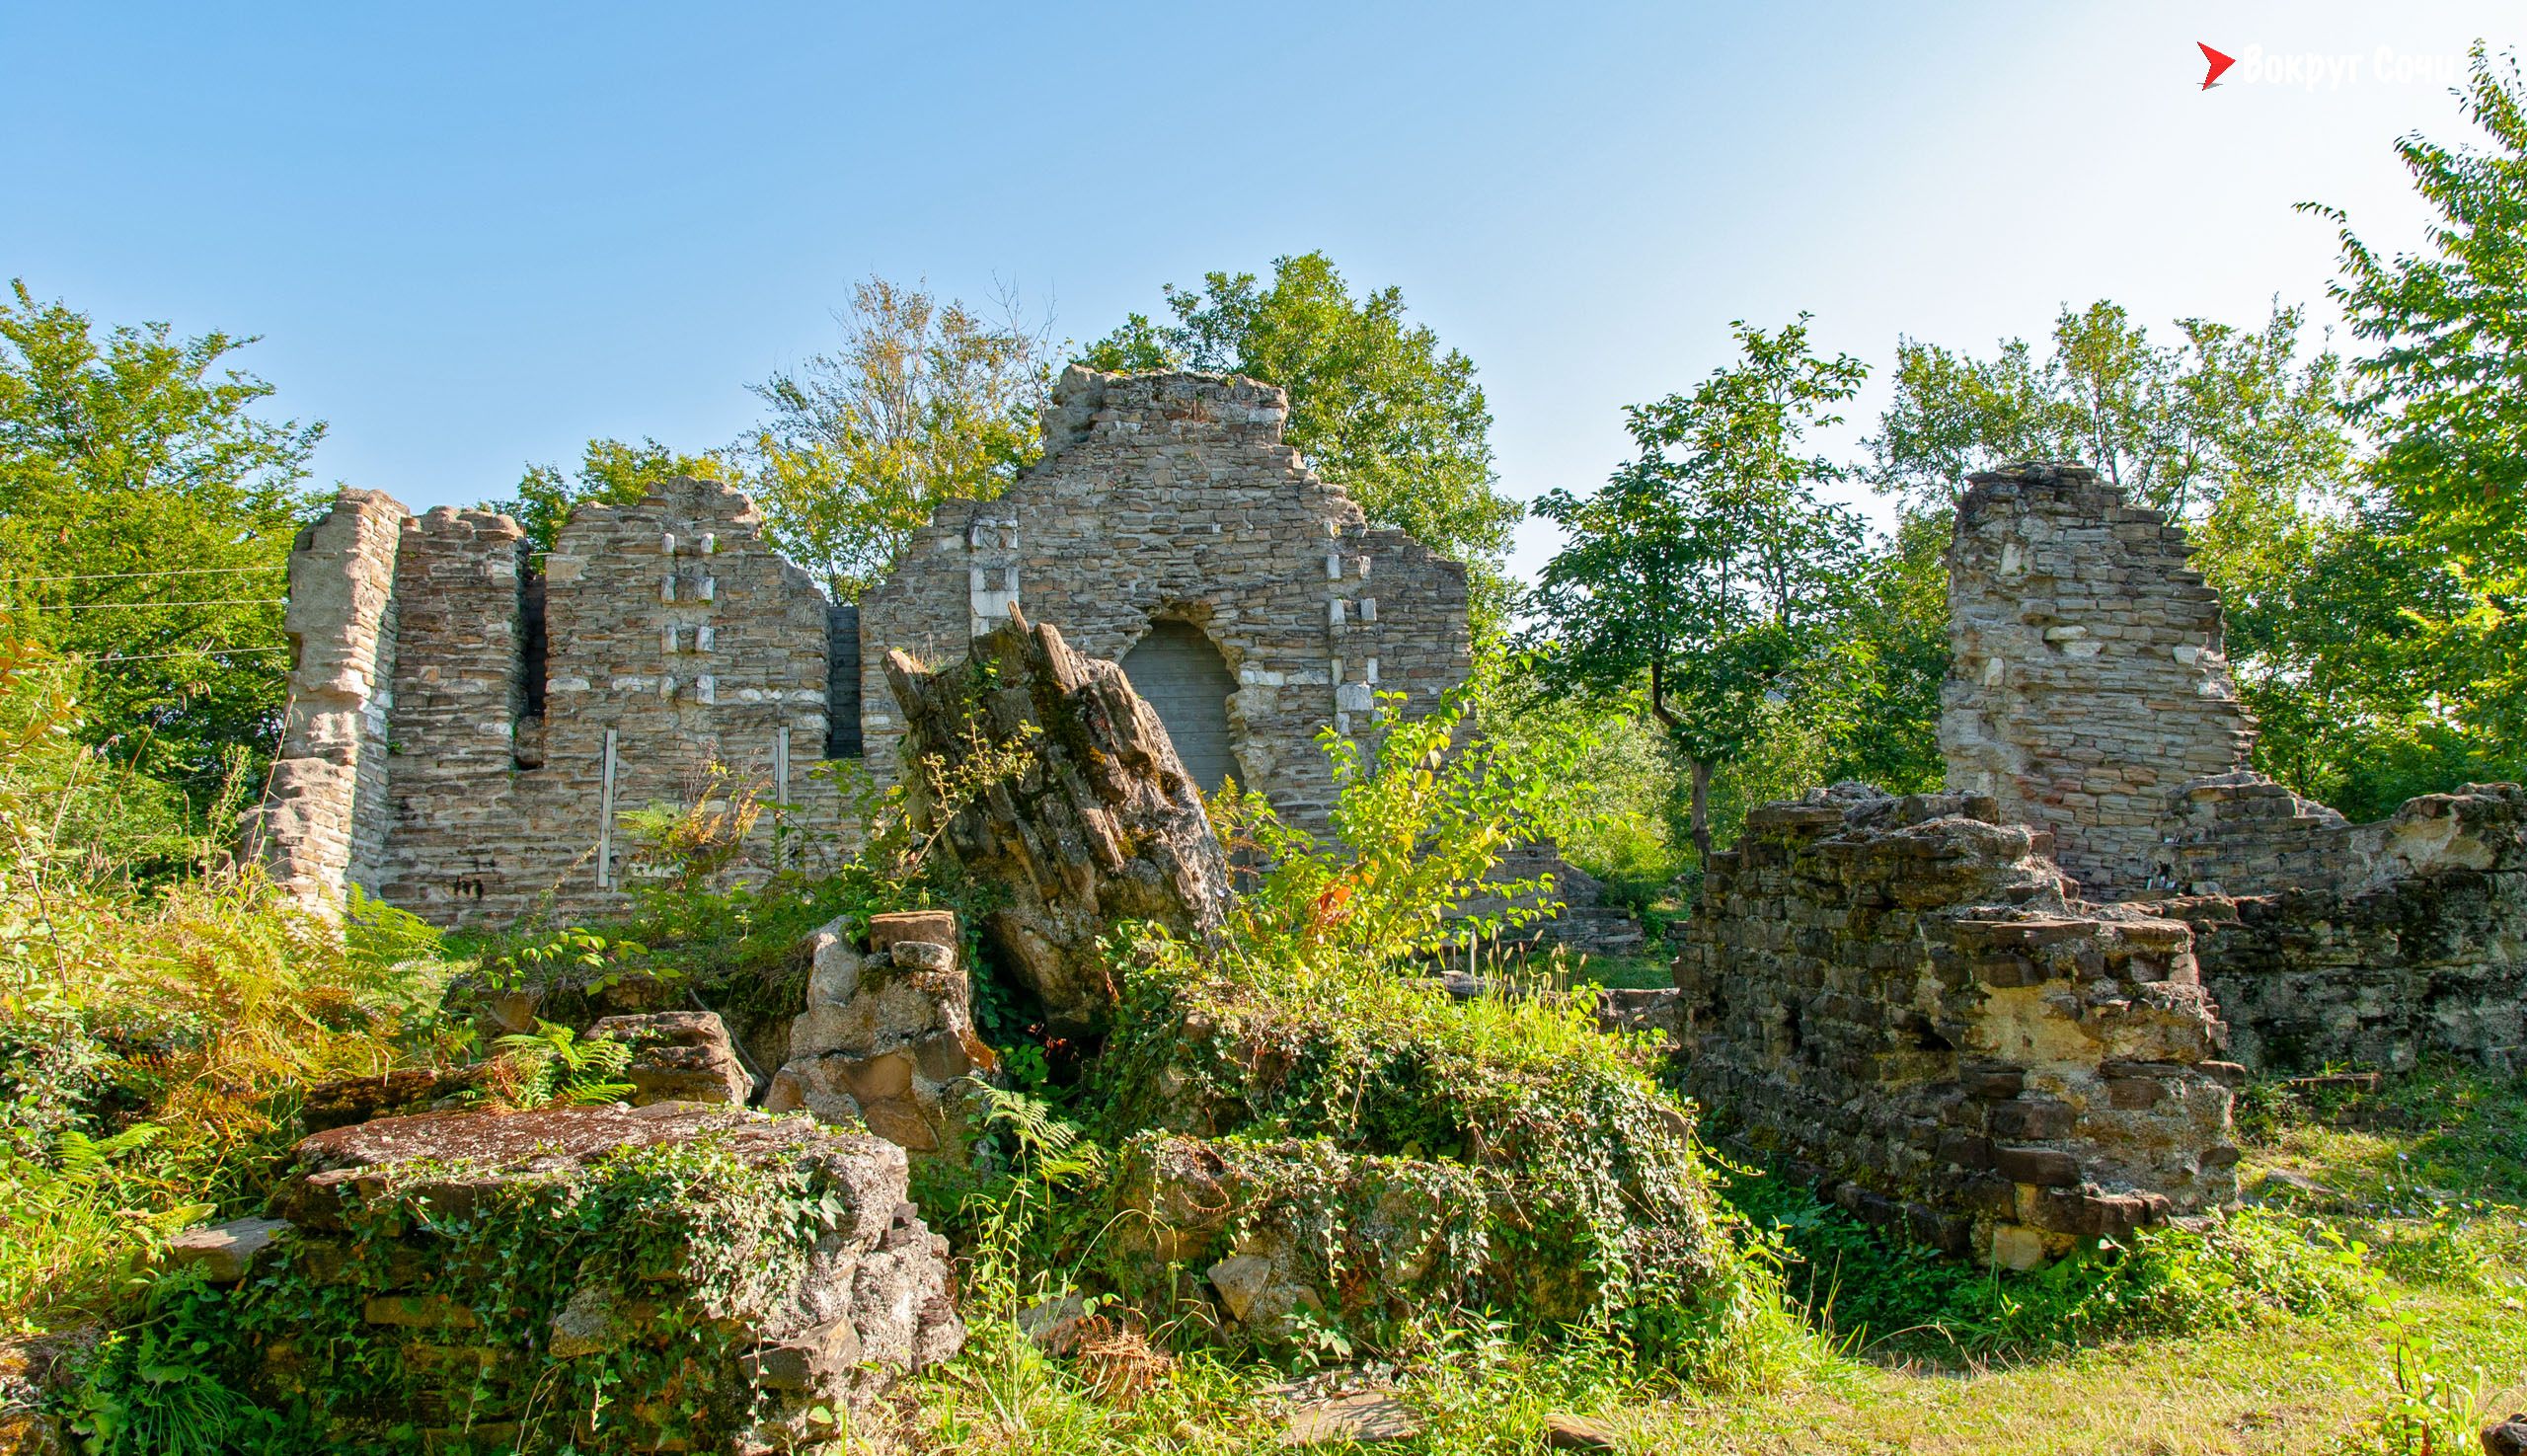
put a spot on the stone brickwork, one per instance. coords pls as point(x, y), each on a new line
point(467, 732)
point(818, 1302)
point(1904, 999)
point(2086, 676)
point(323, 820)
point(1171, 496)
point(2421, 951)
point(417, 763)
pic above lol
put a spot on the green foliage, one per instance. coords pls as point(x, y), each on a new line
point(1707, 568)
point(922, 405)
point(1376, 406)
point(169, 1383)
point(2444, 395)
point(1416, 828)
point(145, 514)
point(564, 1069)
point(725, 1235)
point(1868, 1292)
point(2428, 1407)
point(610, 473)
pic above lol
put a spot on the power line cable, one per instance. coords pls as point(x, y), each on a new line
point(196, 653)
point(179, 571)
point(98, 607)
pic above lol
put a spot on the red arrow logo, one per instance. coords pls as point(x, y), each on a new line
point(2218, 62)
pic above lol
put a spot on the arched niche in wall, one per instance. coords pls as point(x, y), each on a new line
point(1177, 669)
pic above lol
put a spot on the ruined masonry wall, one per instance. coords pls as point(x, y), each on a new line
point(2428, 958)
point(414, 766)
point(1900, 997)
point(1171, 497)
point(2087, 678)
point(323, 820)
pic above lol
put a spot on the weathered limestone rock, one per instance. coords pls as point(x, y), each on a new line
point(678, 1056)
point(399, 1094)
point(1102, 824)
point(817, 1310)
point(224, 1251)
point(888, 1041)
point(1899, 995)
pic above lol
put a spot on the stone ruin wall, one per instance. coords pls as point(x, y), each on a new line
point(2417, 948)
point(677, 638)
point(2086, 676)
point(1920, 1004)
point(1171, 496)
point(1904, 998)
point(465, 733)
point(323, 817)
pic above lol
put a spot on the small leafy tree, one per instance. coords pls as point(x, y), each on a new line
point(610, 473)
point(147, 511)
point(1418, 825)
point(1707, 566)
point(1376, 405)
point(924, 402)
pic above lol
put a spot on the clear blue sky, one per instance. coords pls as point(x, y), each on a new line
point(474, 236)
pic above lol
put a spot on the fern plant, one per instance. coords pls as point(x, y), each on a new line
point(561, 1067)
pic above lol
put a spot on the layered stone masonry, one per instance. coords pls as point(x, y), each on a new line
point(2420, 951)
point(1904, 998)
point(322, 824)
point(1171, 496)
point(415, 761)
point(870, 1296)
point(2086, 676)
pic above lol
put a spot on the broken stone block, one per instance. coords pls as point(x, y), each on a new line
point(839, 1295)
point(894, 1053)
point(1365, 1417)
point(224, 1251)
point(678, 1056)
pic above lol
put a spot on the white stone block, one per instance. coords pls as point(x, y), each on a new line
point(1368, 605)
point(710, 591)
point(704, 637)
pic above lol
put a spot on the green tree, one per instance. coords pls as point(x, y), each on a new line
point(924, 402)
point(146, 515)
point(2178, 428)
point(1707, 569)
point(610, 473)
point(1376, 405)
point(2240, 434)
point(2446, 395)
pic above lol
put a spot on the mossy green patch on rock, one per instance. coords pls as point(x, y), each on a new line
point(1352, 1151)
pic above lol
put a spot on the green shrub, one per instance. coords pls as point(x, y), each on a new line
point(1861, 1287)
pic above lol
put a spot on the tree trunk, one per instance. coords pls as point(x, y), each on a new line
point(1701, 772)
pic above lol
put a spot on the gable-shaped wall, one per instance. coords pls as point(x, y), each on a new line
point(1171, 496)
point(2087, 678)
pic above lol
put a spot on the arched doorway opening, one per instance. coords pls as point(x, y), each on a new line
point(1178, 672)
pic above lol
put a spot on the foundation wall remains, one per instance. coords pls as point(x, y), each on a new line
point(1923, 1003)
point(1171, 497)
point(2419, 951)
point(1904, 998)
